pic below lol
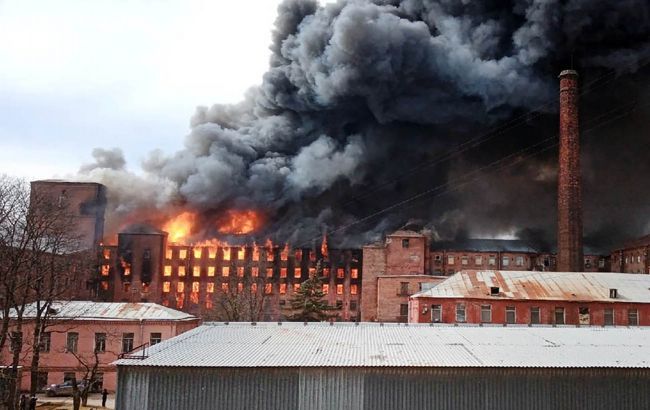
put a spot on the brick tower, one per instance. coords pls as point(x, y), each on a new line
point(569, 200)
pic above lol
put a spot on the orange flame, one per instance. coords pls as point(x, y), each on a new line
point(323, 246)
point(239, 222)
point(180, 226)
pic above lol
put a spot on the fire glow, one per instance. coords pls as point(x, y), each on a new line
point(239, 222)
point(180, 226)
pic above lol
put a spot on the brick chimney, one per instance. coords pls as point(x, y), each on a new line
point(569, 200)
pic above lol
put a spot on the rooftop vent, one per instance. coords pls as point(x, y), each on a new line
point(494, 290)
point(613, 293)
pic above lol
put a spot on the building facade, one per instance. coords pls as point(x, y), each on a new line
point(632, 257)
point(77, 329)
point(532, 298)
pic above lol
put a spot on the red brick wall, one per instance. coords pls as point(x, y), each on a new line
point(374, 265)
point(473, 310)
point(409, 260)
point(391, 296)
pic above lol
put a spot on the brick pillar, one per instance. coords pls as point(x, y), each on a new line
point(569, 201)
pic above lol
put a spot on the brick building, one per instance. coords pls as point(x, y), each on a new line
point(142, 266)
point(525, 297)
point(632, 257)
point(77, 328)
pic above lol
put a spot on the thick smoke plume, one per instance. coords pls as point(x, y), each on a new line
point(363, 99)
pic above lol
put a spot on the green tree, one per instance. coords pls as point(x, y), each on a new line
point(307, 304)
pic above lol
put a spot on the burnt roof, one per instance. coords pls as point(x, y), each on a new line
point(141, 229)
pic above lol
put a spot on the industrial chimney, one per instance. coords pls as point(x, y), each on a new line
point(569, 200)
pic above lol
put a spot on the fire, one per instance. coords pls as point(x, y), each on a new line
point(323, 247)
point(180, 227)
point(239, 222)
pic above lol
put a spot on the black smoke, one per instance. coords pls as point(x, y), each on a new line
point(368, 103)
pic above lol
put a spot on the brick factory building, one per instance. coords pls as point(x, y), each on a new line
point(526, 297)
point(76, 329)
point(632, 257)
point(199, 278)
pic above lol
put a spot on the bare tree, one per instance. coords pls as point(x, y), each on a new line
point(241, 300)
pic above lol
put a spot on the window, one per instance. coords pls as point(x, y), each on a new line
point(601, 263)
point(486, 313)
point(182, 253)
point(478, 260)
point(224, 287)
point(209, 288)
point(403, 288)
point(283, 272)
point(197, 253)
point(104, 285)
point(16, 340)
point(181, 271)
point(583, 315)
point(196, 287)
point(210, 271)
point(339, 289)
point(511, 315)
point(255, 271)
point(240, 287)
point(127, 342)
point(100, 342)
point(354, 273)
point(353, 289)
point(166, 287)
point(225, 271)
point(240, 271)
point(69, 376)
point(270, 256)
point(283, 288)
point(450, 260)
point(326, 272)
point(464, 260)
point(559, 315)
point(326, 288)
point(127, 286)
point(72, 340)
point(46, 339)
point(155, 338)
point(405, 243)
point(609, 317)
point(340, 273)
point(168, 253)
point(167, 271)
point(196, 271)
point(632, 317)
point(296, 287)
point(241, 253)
point(268, 288)
point(106, 253)
point(296, 273)
point(505, 261)
point(460, 312)
point(353, 305)
point(339, 304)
point(492, 260)
point(404, 309)
point(180, 287)
point(226, 254)
point(519, 260)
point(436, 313)
point(105, 270)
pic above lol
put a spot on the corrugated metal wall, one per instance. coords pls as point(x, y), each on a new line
point(156, 388)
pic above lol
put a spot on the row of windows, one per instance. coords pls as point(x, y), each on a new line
point(268, 288)
point(559, 315)
point(225, 271)
point(72, 341)
point(239, 253)
point(505, 260)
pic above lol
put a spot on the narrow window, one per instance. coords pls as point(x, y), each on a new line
point(196, 271)
point(492, 261)
point(460, 312)
point(505, 261)
point(464, 260)
point(436, 313)
point(450, 260)
point(166, 287)
point(297, 273)
point(405, 243)
point(353, 305)
point(268, 288)
point(168, 270)
point(632, 317)
point(240, 287)
point(283, 288)
point(127, 342)
point(404, 309)
point(196, 287)
point(340, 273)
point(255, 271)
point(559, 315)
point(100, 342)
point(210, 271)
point(197, 253)
point(296, 287)
point(609, 317)
point(240, 271)
point(403, 288)
point(106, 270)
point(511, 315)
point(519, 260)
point(486, 313)
point(326, 288)
point(269, 272)
point(583, 315)
point(478, 260)
point(72, 340)
point(46, 339)
point(283, 272)
point(225, 271)
point(155, 338)
point(339, 289)
point(181, 271)
point(180, 287)
point(241, 253)
point(354, 273)
point(182, 253)
point(168, 253)
point(209, 287)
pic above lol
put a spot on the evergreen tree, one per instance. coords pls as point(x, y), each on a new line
point(307, 303)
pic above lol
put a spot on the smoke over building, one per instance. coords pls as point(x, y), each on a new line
point(367, 104)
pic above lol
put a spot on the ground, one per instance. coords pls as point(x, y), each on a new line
point(65, 403)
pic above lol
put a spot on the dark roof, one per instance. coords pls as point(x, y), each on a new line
point(142, 229)
point(484, 245)
point(636, 243)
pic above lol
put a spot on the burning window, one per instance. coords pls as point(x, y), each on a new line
point(106, 253)
point(226, 254)
point(196, 271)
point(283, 288)
point(255, 271)
point(208, 304)
point(326, 288)
point(168, 253)
point(180, 287)
point(195, 286)
point(283, 272)
point(225, 271)
point(339, 289)
point(180, 300)
point(269, 255)
point(297, 273)
point(181, 271)
point(209, 288)
point(241, 253)
point(298, 254)
point(210, 271)
point(353, 289)
point(212, 252)
point(256, 253)
point(269, 272)
point(268, 288)
point(182, 253)
point(197, 253)
point(296, 287)
point(240, 287)
point(166, 287)
point(224, 287)
point(284, 253)
point(105, 270)
point(253, 287)
point(354, 273)
point(167, 271)
point(104, 285)
point(240, 271)
point(340, 273)
point(312, 256)
point(312, 272)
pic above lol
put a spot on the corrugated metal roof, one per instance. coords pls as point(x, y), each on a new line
point(86, 310)
point(393, 345)
point(532, 285)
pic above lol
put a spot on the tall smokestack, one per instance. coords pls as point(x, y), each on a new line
point(569, 201)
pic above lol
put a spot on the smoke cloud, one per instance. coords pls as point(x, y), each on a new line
point(360, 94)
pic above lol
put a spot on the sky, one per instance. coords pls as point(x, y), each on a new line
point(79, 74)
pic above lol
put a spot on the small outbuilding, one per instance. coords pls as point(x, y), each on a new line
point(389, 366)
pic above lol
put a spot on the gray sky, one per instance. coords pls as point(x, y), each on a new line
point(78, 74)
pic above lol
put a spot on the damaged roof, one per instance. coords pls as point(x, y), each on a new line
point(239, 345)
point(86, 310)
point(533, 285)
